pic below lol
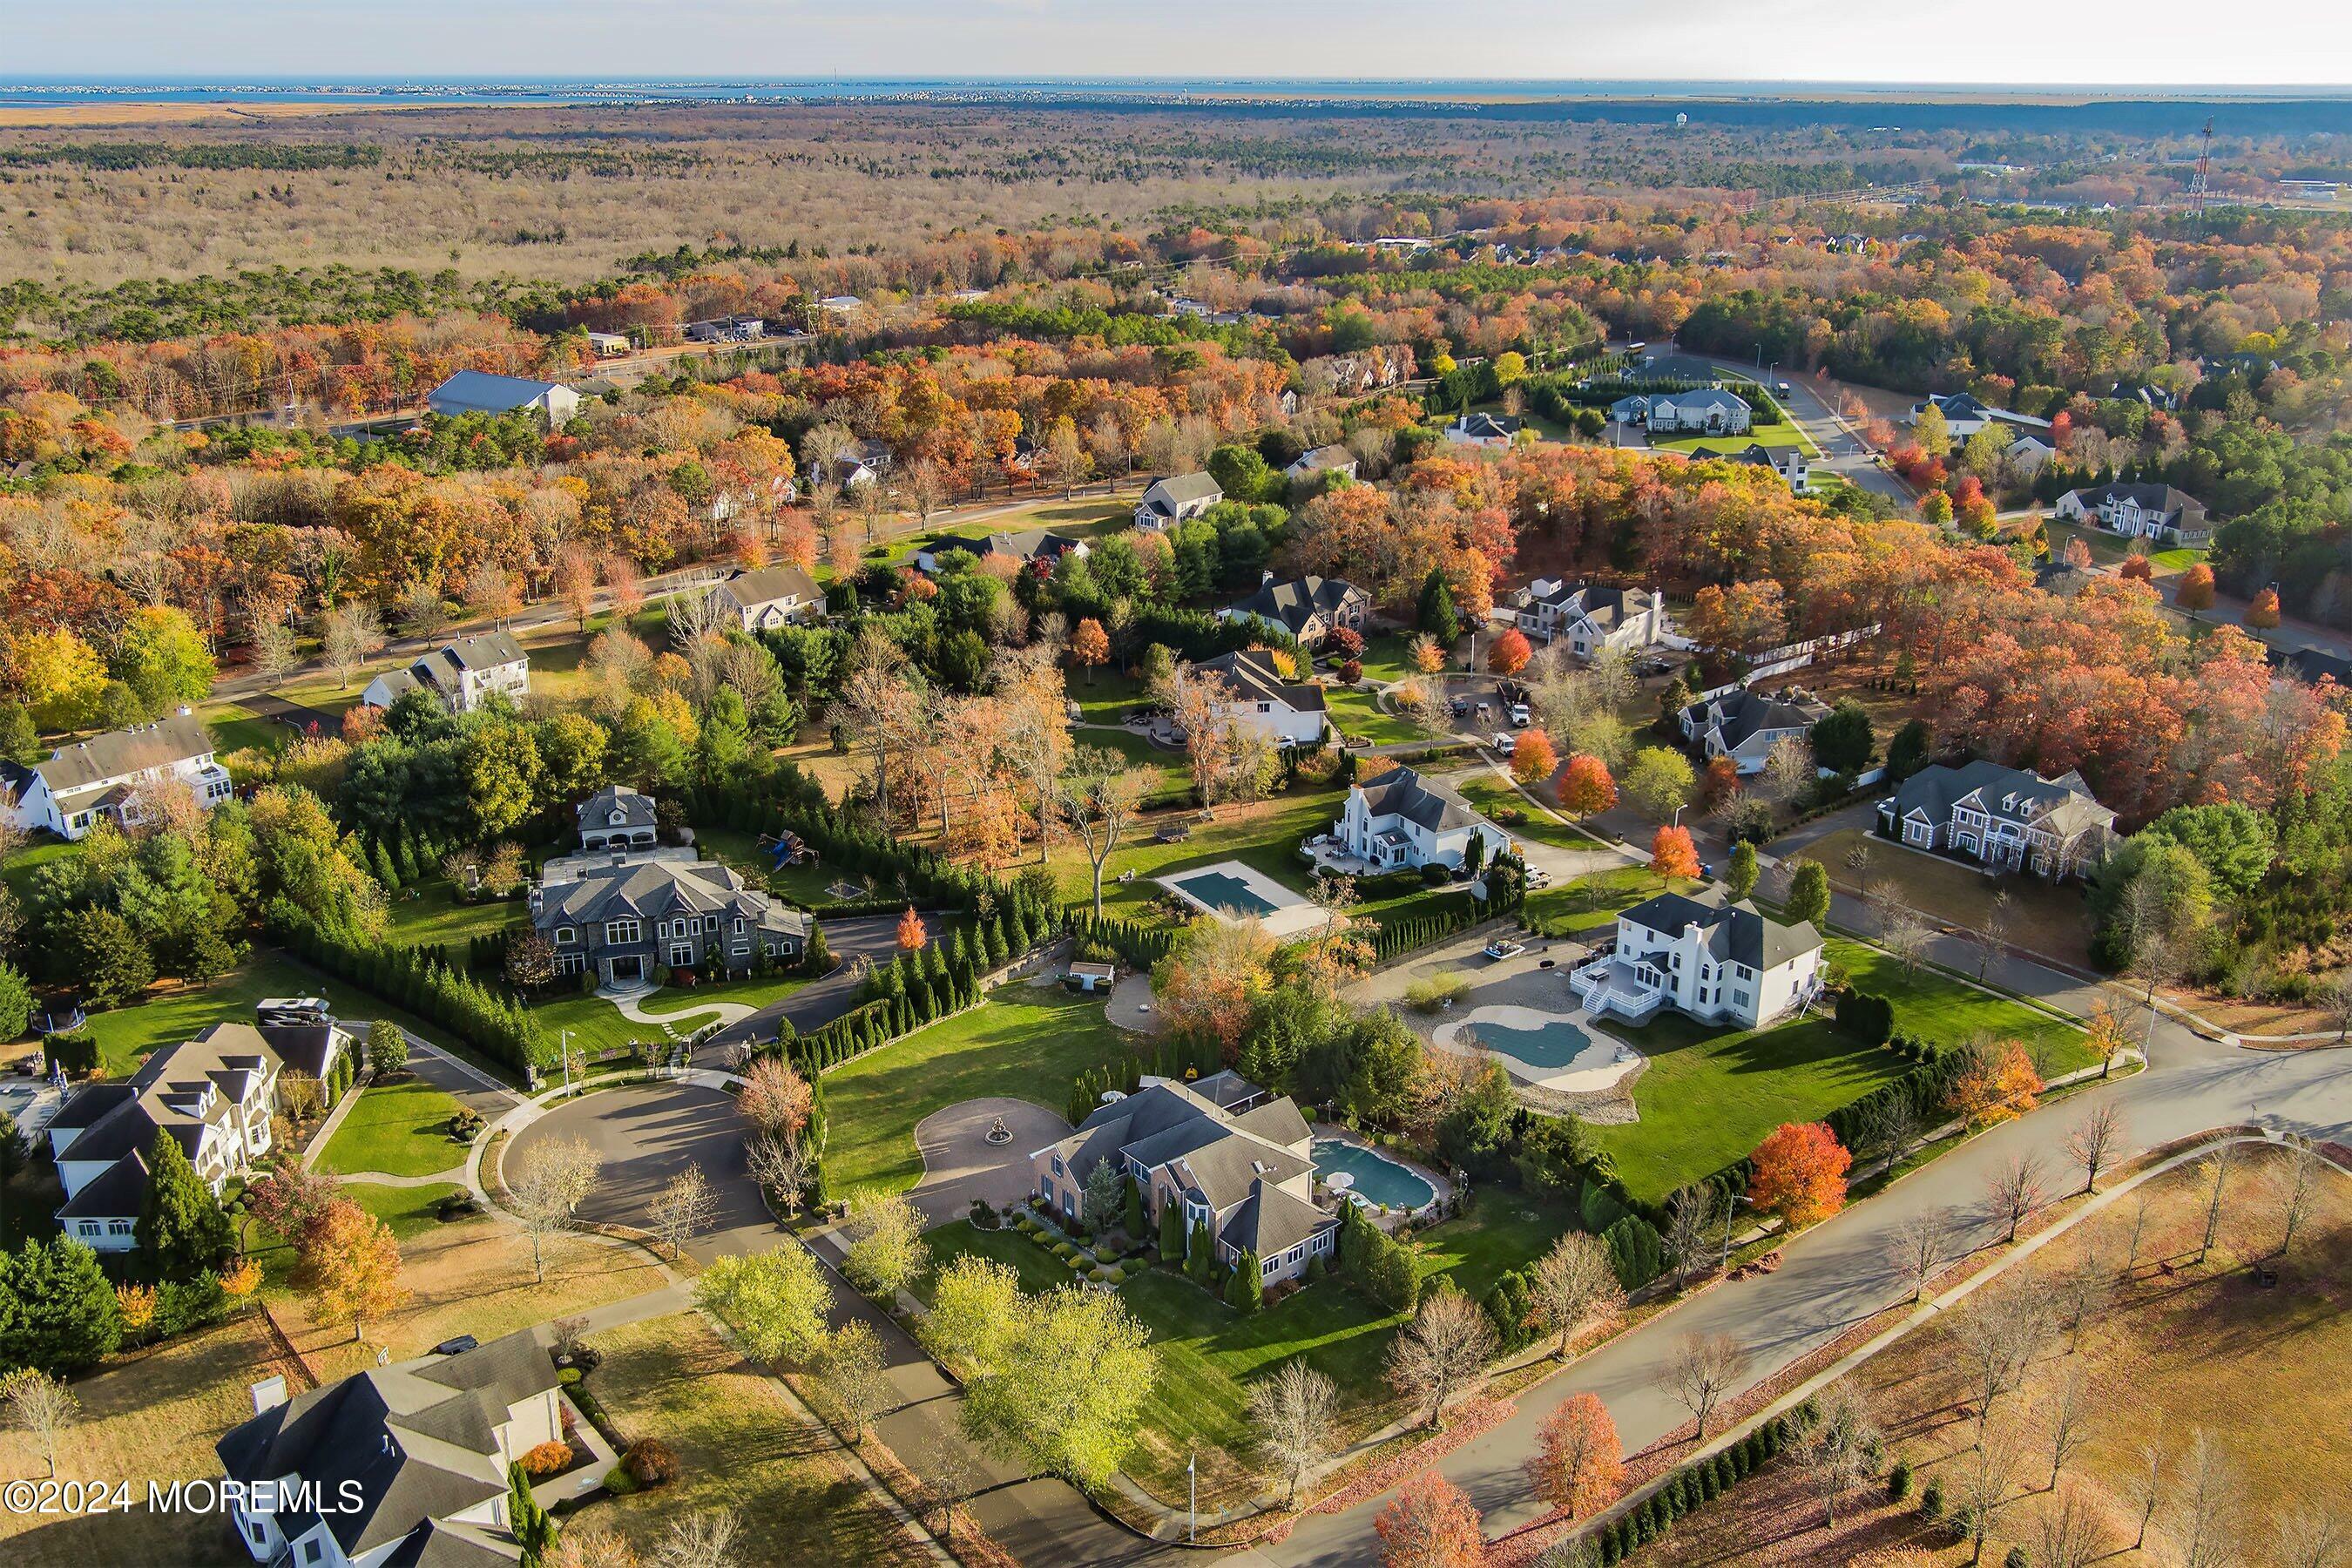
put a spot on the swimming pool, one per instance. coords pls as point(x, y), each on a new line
point(1380, 1179)
point(1554, 1043)
point(1219, 890)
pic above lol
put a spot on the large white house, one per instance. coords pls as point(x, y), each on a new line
point(1291, 712)
point(1180, 498)
point(1312, 469)
point(478, 392)
point(102, 777)
point(1745, 725)
point(1795, 470)
point(769, 597)
point(1591, 618)
point(1482, 429)
point(2008, 818)
point(1401, 820)
point(2139, 511)
point(463, 674)
point(1706, 411)
point(409, 1461)
point(1964, 415)
point(1718, 962)
point(213, 1095)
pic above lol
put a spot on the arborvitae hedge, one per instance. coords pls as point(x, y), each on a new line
point(496, 1025)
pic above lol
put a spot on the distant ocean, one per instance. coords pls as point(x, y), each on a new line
point(49, 92)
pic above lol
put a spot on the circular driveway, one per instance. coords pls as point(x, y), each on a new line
point(960, 1163)
point(648, 1133)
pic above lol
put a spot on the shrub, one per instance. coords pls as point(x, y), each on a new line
point(465, 1124)
point(1867, 1016)
point(1898, 1481)
point(546, 1458)
point(618, 1481)
point(568, 1376)
point(652, 1462)
point(1430, 993)
point(1931, 1500)
point(2016, 1558)
point(1436, 875)
point(1315, 1267)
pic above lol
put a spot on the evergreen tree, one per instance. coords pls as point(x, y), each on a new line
point(1134, 1210)
point(58, 1308)
point(181, 1227)
point(1436, 614)
point(1171, 1232)
point(1200, 1252)
point(1246, 1290)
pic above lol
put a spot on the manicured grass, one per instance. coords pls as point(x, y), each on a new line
point(1025, 1042)
point(1104, 695)
point(2042, 918)
point(744, 1449)
point(803, 884)
point(2178, 560)
point(1945, 1010)
point(438, 915)
point(597, 1025)
point(1264, 833)
point(1039, 1270)
point(1785, 434)
point(409, 1211)
point(397, 1128)
point(1592, 903)
point(18, 869)
point(1165, 773)
point(235, 728)
point(127, 1036)
point(1709, 1096)
point(1354, 710)
point(1494, 800)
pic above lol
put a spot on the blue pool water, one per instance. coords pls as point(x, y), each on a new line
point(1221, 891)
point(1552, 1044)
point(1380, 1179)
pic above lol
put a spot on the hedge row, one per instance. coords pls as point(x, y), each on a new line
point(497, 1026)
point(1695, 1486)
point(1141, 946)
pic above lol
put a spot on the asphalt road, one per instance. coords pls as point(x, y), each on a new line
point(1844, 451)
point(820, 1002)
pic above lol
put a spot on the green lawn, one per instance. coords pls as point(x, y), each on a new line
point(1785, 434)
point(235, 729)
point(802, 884)
point(1494, 799)
point(2177, 560)
point(1208, 1353)
point(127, 1036)
point(1590, 903)
point(1355, 711)
point(396, 1129)
point(1025, 1042)
point(1165, 773)
point(1265, 835)
point(1105, 696)
point(1932, 1005)
point(437, 914)
point(18, 870)
point(597, 1025)
point(1384, 656)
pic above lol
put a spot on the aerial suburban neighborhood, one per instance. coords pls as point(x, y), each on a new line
point(1004, 796)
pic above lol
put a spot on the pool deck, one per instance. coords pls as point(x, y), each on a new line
point(1443, 1188)
point(1290, 918)
point(1599, 1068)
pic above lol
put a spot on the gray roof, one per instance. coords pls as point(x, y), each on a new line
point(486, 651)
point(123, 752)
point(476, 391)
point(1488, 427)
point(1608, 607)
point(305, 1047)
point(1270, 1221)
point(1332, 457)
point(1755, 453)
point(654, 890)
point(1405, 794)
point(2164, 498)
point(1292, 602)
point(770, 584)
point(1739, 716)
point(1701, 397)
point(1029, 544)
point(1179, 488)
point(636, 806)
point(417, 1439)
point(1253, 674)
point(118, 1191)
point(398, 683)
point(2064, 804)
point(167, 1094)
point(1734, 931)
point(1212, 1153)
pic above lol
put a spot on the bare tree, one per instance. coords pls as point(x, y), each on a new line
point(951, 1478)
point(780, 1165)
point(1839, 1446)
point(2072, 1529)
point(1999, 1335)
point(1442, 1351)
point(2138, 1234)
point(1689, 1218)
point(2217, 1165)
point(2092, 1142)
point(1980, 1485)
point(550, 1181)
point(40, 1405)
point(1574, 1285)
point(2081, 1294)
point(2312, 1538)
point(2147, 1482)
point(2304, 1174)
point(2335, 1002)
point(274, 649)
point(1921, 1246)
point(1989, 939)
point(927, 487)
point(1294, 1412)
point(2066, 1419)
point(1702, 1370)
point(1788, 768)
point(697, 1541)
point(349, 636)
point(1903, 931)
point(684, 1210)
point(2013, 1190)
point(1098, 797)
point(2207, 1503)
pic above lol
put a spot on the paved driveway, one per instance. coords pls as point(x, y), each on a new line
point(960, 1163)
point(820, 1002)
point(648, 1133)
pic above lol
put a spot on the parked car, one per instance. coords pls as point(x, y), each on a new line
point(1503, 947)
point(1521, 716)
point(1506, 742)
point(1459, 706)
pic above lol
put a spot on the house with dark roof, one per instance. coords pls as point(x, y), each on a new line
point(2007, 818)
point(620, 910)
point(2063, 577)
point(1745, 725)
point(478, 392)
point(769, 596)
point(1179, 498)
point(1309, 608)
point(1589, 618)
point(463, 673)
point(1794, 468)
point(1483, 429)
point(103, 776)
point(213, 1095)
point(1401, 820)
point(1705, 410)
point(2313, 665)
point(1702, 954)
point(1312, 469)
point(1033, 548)
point(1292, 712)
point(1243, 1168)
point(2140, 511)
point(1965, 415)
point(397, 1466)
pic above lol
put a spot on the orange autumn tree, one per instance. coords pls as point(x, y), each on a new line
point(1576, 1466)
point(1719, 784)
point(2136, 569)
point(1799, 1173)
point(1533, 760)
point(349, 1265)
point(2263, 611)
point(1429, 1524)
point(1509, 653)
point(1089, 646)
point(1673, 855)
point(240, 1280)
point(1209, 987)
point(1999, 1082)
point(1586, 787)
point(2196, 590)
point(912, 934)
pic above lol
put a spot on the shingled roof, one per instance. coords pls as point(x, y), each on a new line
point(1251, 674)
point(1406, 795)
point(1292, 602)
point(123, 754)
point(1736, 932)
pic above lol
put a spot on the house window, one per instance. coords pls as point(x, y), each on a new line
point(681, 954)
point(565, 936)
point(89, 1227)
point(1739, 998)
point(117, 1227)
point(1057, 1164)
point(622, 932)
point(308, 1551)
point(1268, 1267)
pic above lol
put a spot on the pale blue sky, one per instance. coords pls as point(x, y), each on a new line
point(2081, 42)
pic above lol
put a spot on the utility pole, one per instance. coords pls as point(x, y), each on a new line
point(1192, 1481)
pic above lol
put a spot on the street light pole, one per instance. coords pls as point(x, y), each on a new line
point(1192, 1481)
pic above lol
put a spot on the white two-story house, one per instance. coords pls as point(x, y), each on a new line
point(769, 597)
point(102, 777)
point(2007, 818)
point(397, 1466)
point(1706, 410)
point(1401, 821)
point(1291, 712)
point(1745, 725)
point(1718, 962)
point(463, 674)
point(1794, 468)
point(1589, 618)
point(2139, 511)
point(215, 1095)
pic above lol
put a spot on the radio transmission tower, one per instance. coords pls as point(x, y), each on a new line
point(2197, 188)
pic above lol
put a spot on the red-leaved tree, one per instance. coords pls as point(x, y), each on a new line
point(1799, 1173)
point(1577, 1467)
point(1509, 653)
point(1429, 1524)
point(1672, 853)
point(1586, 787)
